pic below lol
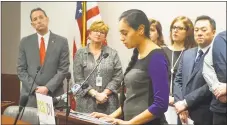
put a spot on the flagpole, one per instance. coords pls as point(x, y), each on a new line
point(84, 24)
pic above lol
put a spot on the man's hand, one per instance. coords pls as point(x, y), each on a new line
point(184, 117)
point(220, 90)
point(171, 101)
point(223, 99)
point(42, 90)
point(179, 106)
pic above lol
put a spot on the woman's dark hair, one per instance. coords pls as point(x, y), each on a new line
point(130, 65)
point(135, 18)
point(158, 27)
point(37, 9)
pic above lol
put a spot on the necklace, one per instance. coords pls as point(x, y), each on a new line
point(174, 65)
point(172, 69)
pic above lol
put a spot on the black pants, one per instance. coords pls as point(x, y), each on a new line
point(219, 118)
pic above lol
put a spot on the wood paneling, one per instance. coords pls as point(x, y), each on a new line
point(10, 89)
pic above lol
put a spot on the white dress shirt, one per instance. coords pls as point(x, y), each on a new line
point(209, 73)
point(46, 39)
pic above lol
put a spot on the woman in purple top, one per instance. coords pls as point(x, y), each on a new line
point(146, 78)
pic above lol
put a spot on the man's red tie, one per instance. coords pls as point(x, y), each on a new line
point(42, 51)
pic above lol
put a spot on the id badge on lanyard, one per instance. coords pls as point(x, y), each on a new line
point(98, 81)
point(98, 78)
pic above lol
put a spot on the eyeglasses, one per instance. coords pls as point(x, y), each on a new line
point(178, 28)
point(99, 32)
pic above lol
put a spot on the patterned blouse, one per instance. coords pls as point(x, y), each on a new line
point(111, 72)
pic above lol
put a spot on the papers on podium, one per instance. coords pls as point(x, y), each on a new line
point(45, 109)
point(87, 117)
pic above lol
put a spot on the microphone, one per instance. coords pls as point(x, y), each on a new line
point(73, 91)
point(68, 77)
point(37, 71)
point(23, 102)
point(76, 87)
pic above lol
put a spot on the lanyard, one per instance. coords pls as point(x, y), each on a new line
point(172, 70)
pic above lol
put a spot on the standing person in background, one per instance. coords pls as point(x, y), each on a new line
point(214, 72)
point(182, 38)
point(102, 92)
point(191, 93)
point(146, 78)
point(156, 32)
point(45, 49)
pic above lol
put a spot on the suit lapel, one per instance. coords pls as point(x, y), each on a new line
point(50, 46)
point(190, 64)
point(35, 44)
point(199, 65)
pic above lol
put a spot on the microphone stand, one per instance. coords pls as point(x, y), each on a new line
point(23, 102)
point(82, 85)
point(38, 69)
point(67, 102)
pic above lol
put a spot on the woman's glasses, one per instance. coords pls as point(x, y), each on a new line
point(178, 28)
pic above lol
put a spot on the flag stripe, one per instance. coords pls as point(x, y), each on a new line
point(79, 22)
point(92, 12)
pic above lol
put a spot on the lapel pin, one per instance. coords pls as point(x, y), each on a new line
point(52, 41)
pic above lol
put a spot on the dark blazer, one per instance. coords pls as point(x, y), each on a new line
point(53, 71)
point(190, 85)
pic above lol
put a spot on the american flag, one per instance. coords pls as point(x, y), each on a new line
point(92, 14)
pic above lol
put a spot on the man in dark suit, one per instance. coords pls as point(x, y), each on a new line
point(214, 72)
point(44, 49)
point(191, 93)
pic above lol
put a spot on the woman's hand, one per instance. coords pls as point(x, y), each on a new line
point(115, 121)
point(101, 97)
point(98, 115)
point(120, 122)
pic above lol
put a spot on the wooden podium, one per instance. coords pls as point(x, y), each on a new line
point(7, 120)
point(60, 120)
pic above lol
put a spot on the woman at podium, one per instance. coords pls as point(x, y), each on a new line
point(146, 77)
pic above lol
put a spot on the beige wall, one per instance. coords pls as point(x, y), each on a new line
point(10, 29)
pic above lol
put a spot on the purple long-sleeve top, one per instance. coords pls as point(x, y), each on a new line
point(158, 72)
